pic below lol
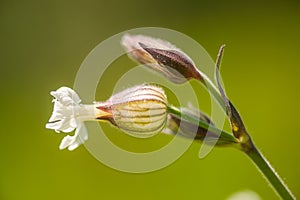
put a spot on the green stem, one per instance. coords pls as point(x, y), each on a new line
point(211, 88)
point(267, 170)
point(247, 146)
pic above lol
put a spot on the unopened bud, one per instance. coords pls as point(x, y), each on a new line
point(161, 56)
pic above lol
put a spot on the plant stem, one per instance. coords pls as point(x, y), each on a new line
point(211, 88)
point(267, 170)
point(247, 146)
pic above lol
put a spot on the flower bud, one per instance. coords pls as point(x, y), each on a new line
point(186, 128)
point(161, 56)
point(176, 124)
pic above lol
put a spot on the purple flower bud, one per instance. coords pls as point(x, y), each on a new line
point(161, 56)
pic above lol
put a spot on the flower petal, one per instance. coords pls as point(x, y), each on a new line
point(72, 142)
point(68, 114)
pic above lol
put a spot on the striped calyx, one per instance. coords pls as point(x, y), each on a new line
point(140, 111)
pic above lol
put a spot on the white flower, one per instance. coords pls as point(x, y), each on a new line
point(140, 111)
point(67, 116)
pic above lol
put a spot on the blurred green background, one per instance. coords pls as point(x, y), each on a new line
point(43, 44)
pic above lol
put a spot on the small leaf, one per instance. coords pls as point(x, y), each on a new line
point(237, 125)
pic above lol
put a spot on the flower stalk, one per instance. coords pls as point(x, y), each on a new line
point(268, 171)
point(246, 144)
point(178, 68)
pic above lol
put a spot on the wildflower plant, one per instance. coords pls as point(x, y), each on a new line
point(143, 110)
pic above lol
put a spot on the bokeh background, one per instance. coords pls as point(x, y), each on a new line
point(43, 43)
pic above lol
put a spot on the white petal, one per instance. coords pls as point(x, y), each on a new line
point(65, 127)
point(54, 126)
point(73, 122)
point(66, 141)
point(73, 146)
point(83, 135)
point(63, 112)
point(55, 116)
point(72, 142)
point(64, 117)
